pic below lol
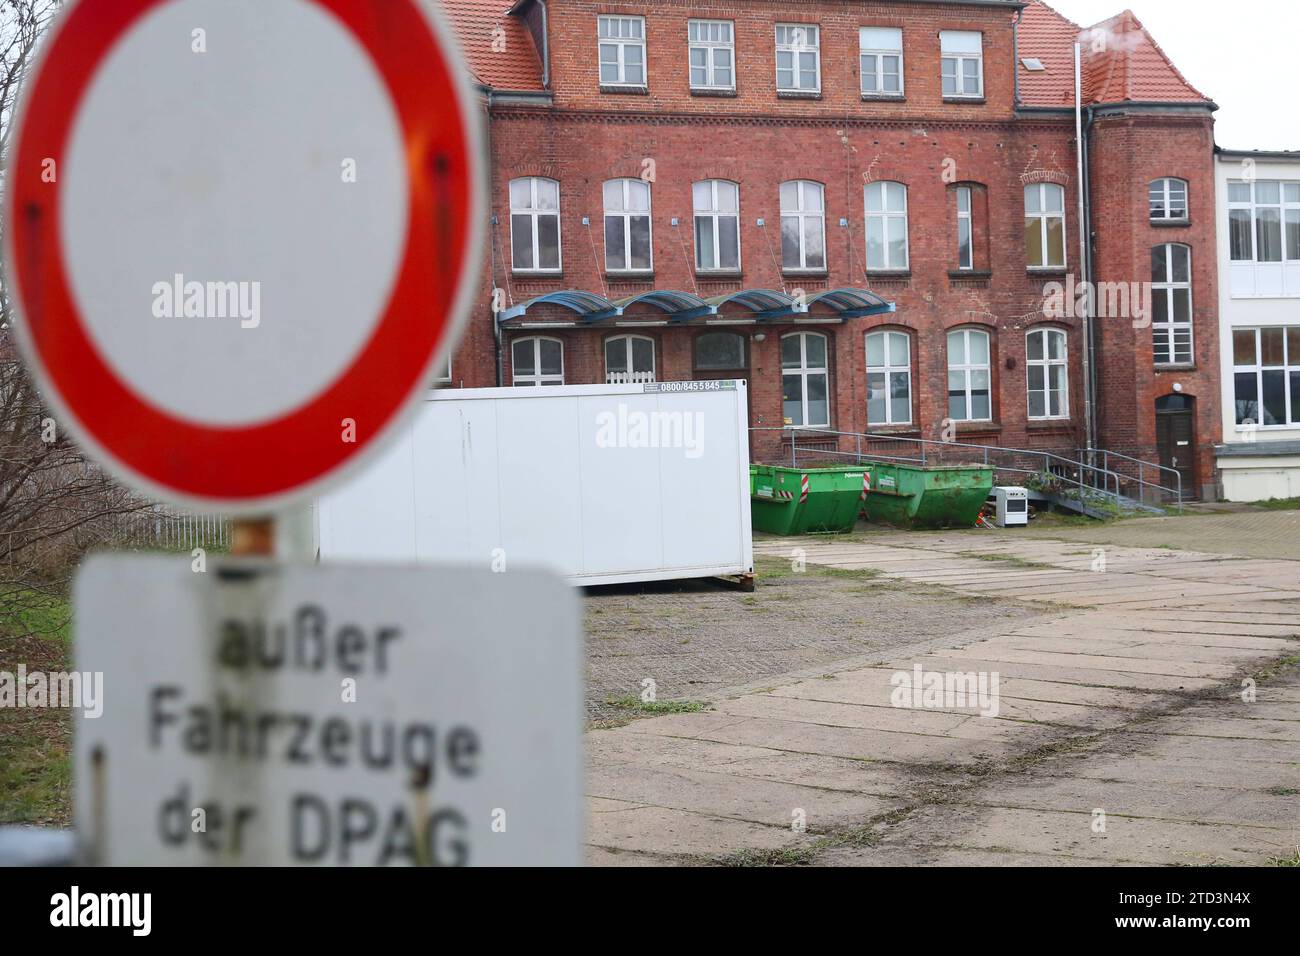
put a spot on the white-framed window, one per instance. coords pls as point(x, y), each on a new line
point(1263, 239)
point(965, 229)
point(889, 378)
point(627, 226)
point(1045, 226)
point(535, 224)
point(970, 376)
point(712, 53)
point(798, 58)
point(629, 359)
point(881, 59)
point(720, 351)
point(442, 372)
point(537, 360)
point(1168, 199)
point(622, 51)
point(1264, 221)
point(886, 204)
point(1266, 376)
point(717, 225)
point(803, 226)
point(1047, 371)
point(962, 63)
point(804, 380)
point(1171, 303)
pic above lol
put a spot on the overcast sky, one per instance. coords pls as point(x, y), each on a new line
point(1242, 56)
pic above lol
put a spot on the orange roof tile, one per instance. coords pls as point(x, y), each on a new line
point(1121, 62)
point(505, 60)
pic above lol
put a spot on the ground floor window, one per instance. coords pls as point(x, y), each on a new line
point(537, 361)
point(1266, 376)
point(1047, 370)
point(969, 376)
point(889, 379)
point(629, 358)
point(719, 351)
point(804, 380)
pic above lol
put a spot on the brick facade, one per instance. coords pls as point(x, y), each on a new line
point(580, 136)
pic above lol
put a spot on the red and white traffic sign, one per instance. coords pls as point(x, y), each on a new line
point(242, 234)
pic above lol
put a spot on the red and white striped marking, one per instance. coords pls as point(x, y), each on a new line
point(866, 486)
point(803, 489)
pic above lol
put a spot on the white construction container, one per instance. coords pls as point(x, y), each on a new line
point(605, 483)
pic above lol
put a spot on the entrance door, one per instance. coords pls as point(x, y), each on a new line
point(1176, 440)
point(722, 355)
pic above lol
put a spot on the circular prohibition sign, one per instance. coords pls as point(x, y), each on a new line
point(242, 235)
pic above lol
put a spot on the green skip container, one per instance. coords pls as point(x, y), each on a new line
point(804, 500)
point(927, 496)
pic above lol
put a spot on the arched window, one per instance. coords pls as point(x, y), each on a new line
point(804, 380)
point(535, 224)
point(537, 361)
point(803, 226)
point(1047, 369)
point(717, 226)
point(1171, 303)
point(627, 226)
point(889, 378)
point(720, 351)
point(1045, 226)
point(886, 226)
point(629, 358)
point(1168, 198)
point(969, 376)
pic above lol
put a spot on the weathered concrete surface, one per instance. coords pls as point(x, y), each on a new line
point(1123, 734)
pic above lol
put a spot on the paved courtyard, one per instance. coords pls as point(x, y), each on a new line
point(1148, 711)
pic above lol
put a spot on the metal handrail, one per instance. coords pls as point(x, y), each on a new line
point(1103, 473)
point(1142, 466)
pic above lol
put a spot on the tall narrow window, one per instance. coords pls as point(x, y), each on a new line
point(627, 226)
point(969, 376)
point(1047, 370)
point(537, 361)
point(886, 226)
point(804, 377)
point(1241, 247)
point(798, 58)
point(803, 226)
point(1266, 376)
point(965, 229)
point(1168, 200)
point(962, 63)
point(881, 58)
point(1045, 226)
point(717, 226)
point(535, 224)
point(712, 52)
point(889, 378)
point(1171, 318)
point(629, 359)
point(622, 51)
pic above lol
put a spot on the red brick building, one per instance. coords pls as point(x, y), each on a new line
point(859, 207)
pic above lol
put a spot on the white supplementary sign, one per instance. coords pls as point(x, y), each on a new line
point(306, 715)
